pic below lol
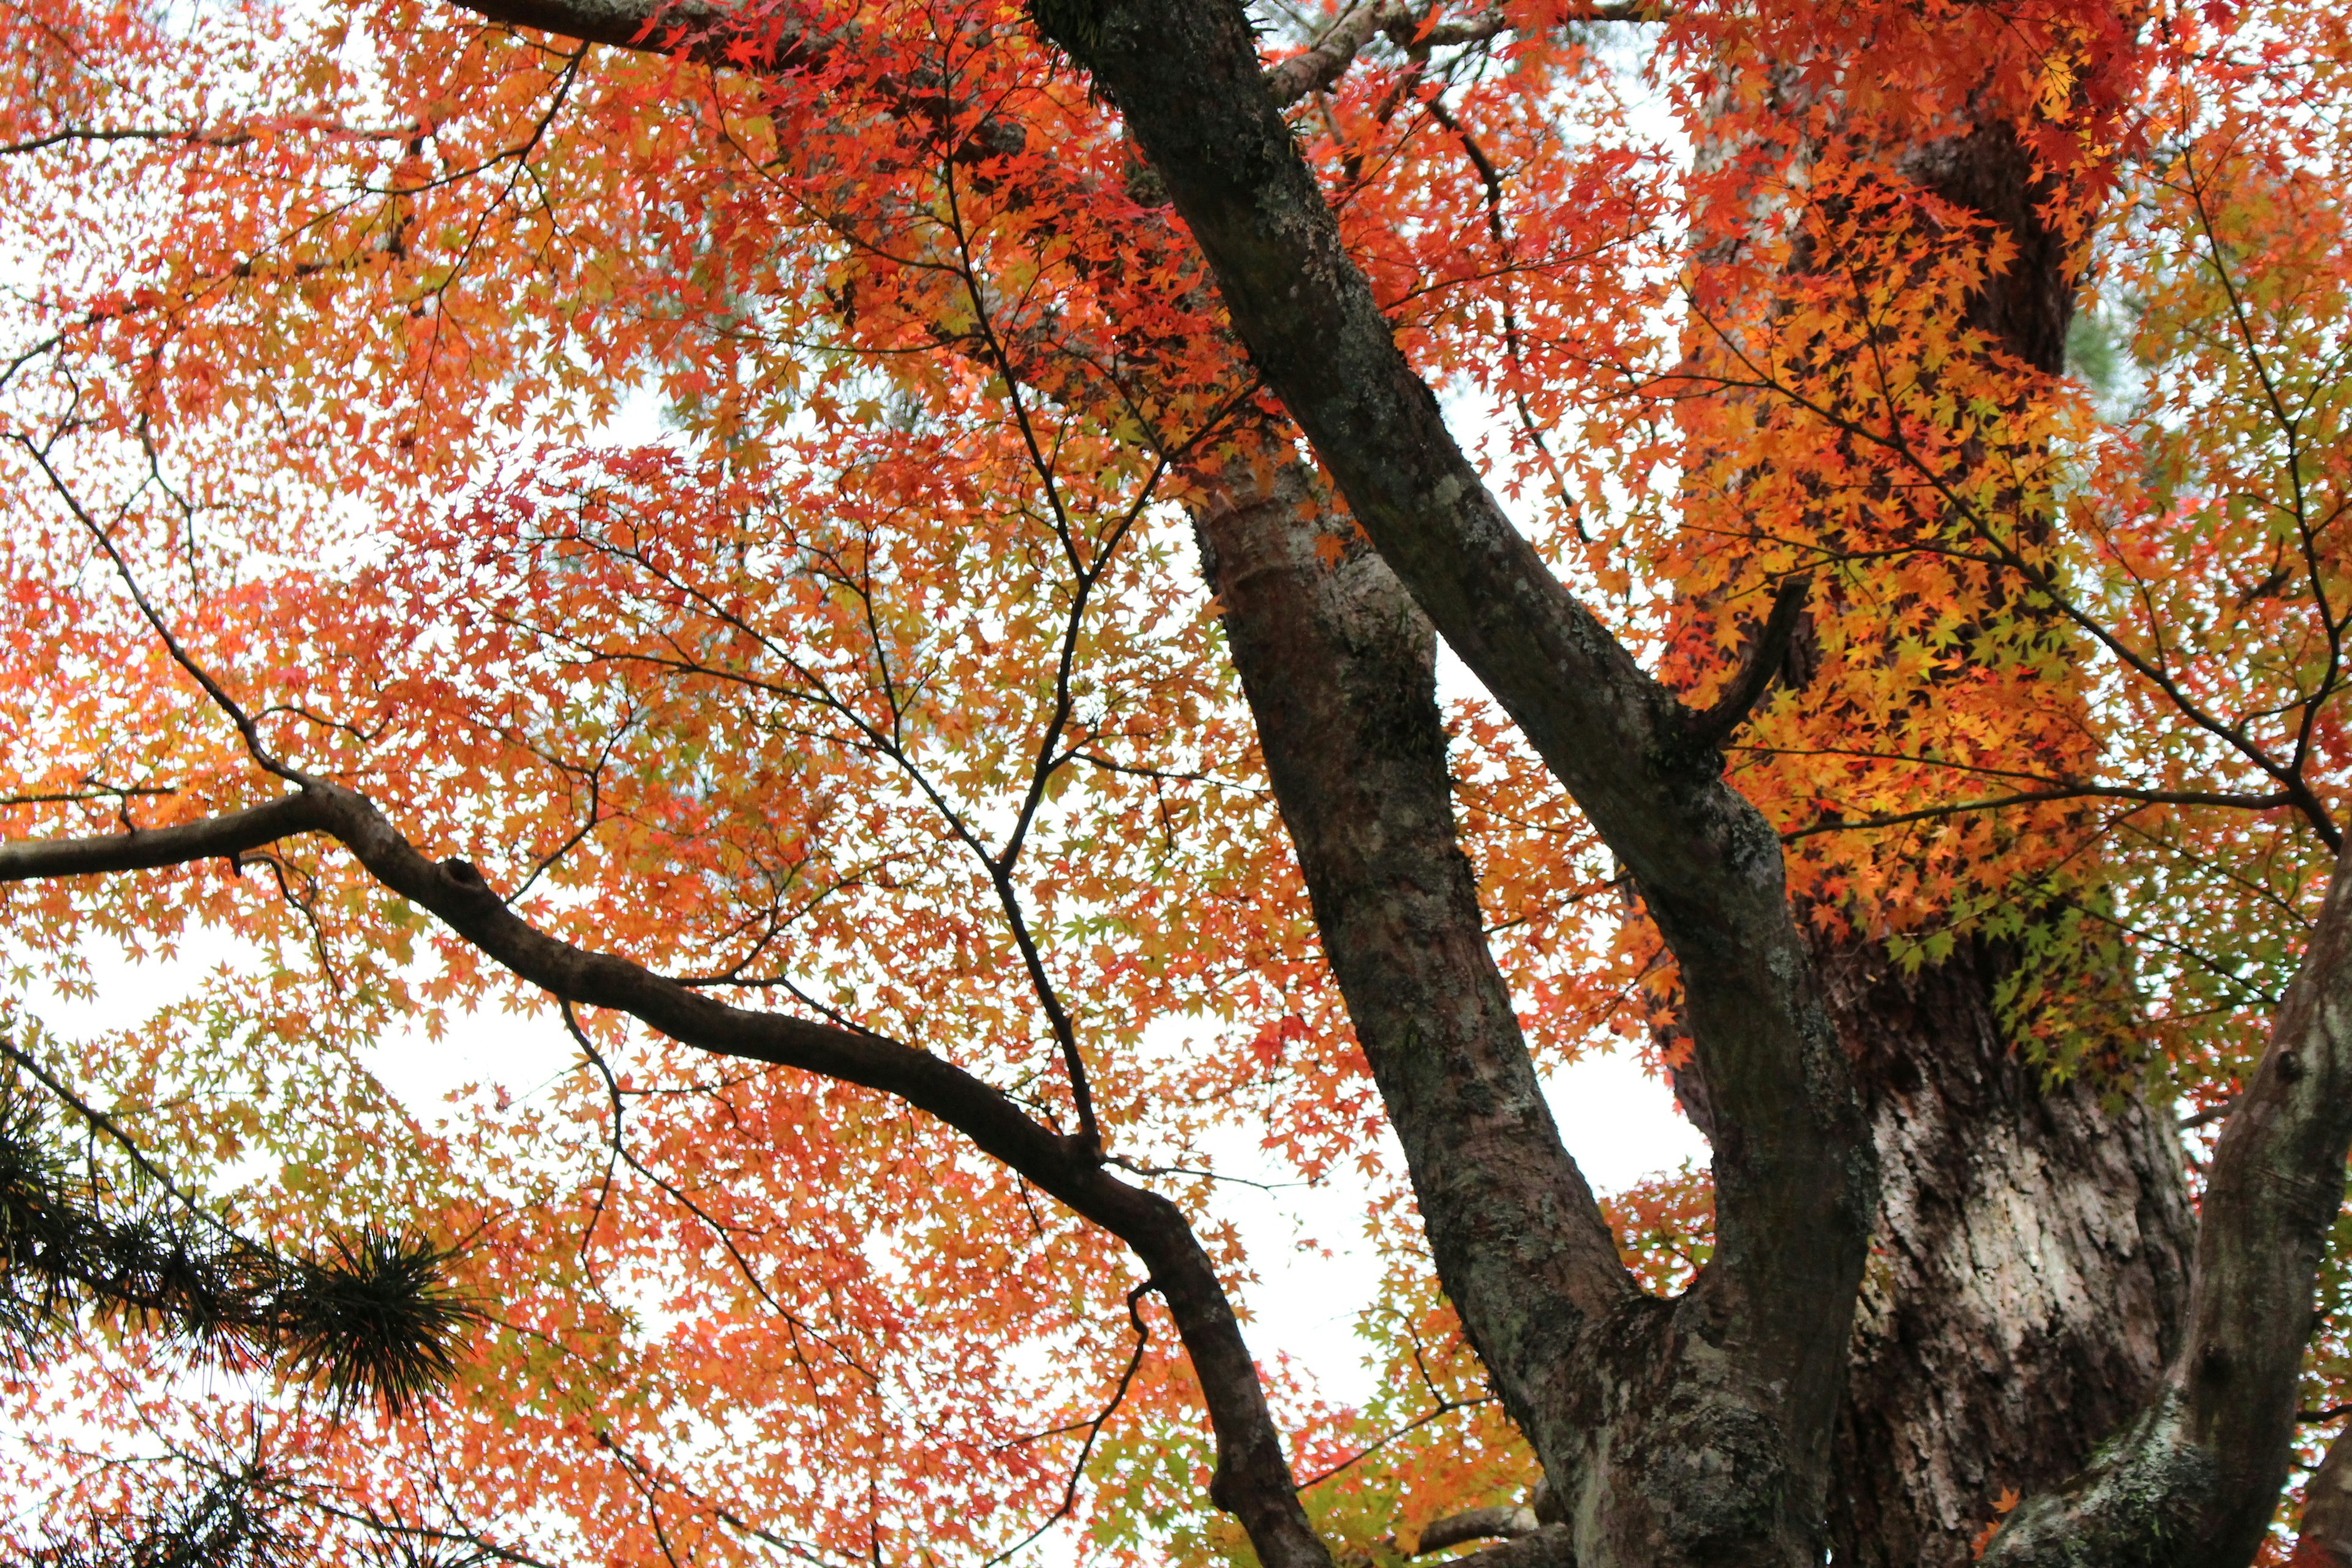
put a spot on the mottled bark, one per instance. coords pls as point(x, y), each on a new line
point(2190, 1483)
point(1337, 664)
point(2030, 1272)
point(1657, 1442)
point(2029, 1276)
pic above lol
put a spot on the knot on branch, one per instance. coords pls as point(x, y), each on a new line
point(468, 879)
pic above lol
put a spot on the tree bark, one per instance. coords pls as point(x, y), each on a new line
point(1654, 1439)
point(2323, 1538)
point(1337, 664)
point(2193, 1480)
point(2029, 1261)
point(2030, 1272)
point(1736, 1412)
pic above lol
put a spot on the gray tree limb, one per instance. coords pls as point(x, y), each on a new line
point(1337, 666)
point(144, 849)
point(1501, 1522)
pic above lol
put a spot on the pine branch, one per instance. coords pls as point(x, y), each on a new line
point(371, 1319)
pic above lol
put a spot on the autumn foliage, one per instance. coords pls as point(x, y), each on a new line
point(732, 484)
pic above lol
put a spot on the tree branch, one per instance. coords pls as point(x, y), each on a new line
point(702, 30)
point(1337, 666)
point(715, 35)
point(1253, 1478)
point(144, 849)
point(1795, 1173)
point(1715, 726)
point(1324, 63)
point(1327, 61)
point(2324, 1535)
point(1501, 1522)
point(1547, 1546)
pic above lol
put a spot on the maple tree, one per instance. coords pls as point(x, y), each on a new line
point(880, 565)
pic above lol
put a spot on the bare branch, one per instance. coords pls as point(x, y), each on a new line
point(1549, 1546)
point(1253, 1478)
point(1715, 726)
point(1323, 65)
point(1329, 60)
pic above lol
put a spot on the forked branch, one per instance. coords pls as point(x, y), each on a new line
point(1795, 1179)
point(2194, 1479)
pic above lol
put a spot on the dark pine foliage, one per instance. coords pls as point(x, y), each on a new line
point(225, 1523)
point(372, 1317)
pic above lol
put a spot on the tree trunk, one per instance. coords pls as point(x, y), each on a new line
point(2030, 1273)
point(1652, 1431)
point(2030, 1263)
point(2029, 1276)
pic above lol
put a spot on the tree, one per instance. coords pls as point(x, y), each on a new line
point(1931, 756)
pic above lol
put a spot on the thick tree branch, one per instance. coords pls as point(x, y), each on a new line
point(143, 849)
point(2324, 1536)
point(1337, 666)
point(1497, 1523)
point(754, 38)
point(1794, 1174)
point(1409, 28)
point(1550, 1546)
point(2194, 1479)
point(759, 38)
point(1253, 1479)
point(1329, 60)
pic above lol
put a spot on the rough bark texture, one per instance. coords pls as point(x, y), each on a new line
point(2029, 1276)
point(2029, 1262)
point(2323, 1538)
point(1656, 1437)
point(2191, 1481)
point(1338, 668)
point(1729, 1425)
